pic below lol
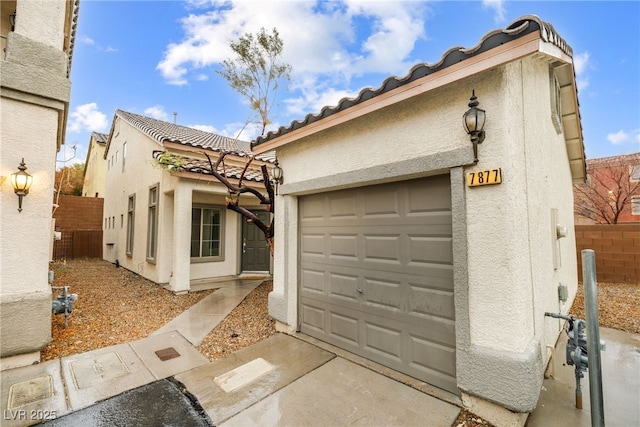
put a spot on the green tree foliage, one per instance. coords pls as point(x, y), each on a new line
point(256, 70)
point(70, 179)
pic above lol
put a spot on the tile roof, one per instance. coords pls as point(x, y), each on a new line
point(162, 131)
point(519, 28)
point(201, 166)
point(100, 138)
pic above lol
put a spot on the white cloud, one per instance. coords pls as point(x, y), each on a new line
point(87, 117)
point(498, 7)
point(623, 137)
point(86, 40)
point(319, 38)
point(204, 128)
point(156, 112)
point(619, 137)
point(580, 65)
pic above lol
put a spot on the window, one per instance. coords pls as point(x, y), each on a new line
point(124, 154)
point(635, 205)
point(556, 107)
point(206, 233)
point(152, 224)
point(130, 223)
point(634, 173)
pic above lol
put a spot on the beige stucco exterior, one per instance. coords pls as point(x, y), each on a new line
point(95, 169)
point(134, 175)
point(34, 98)
point(508, 260)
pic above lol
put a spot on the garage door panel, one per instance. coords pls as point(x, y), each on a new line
point(377, 275)
point(383, 340)
point(431, 356)
point(343, 327)
point(427, 301)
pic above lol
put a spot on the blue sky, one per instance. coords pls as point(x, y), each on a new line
point(159, 57)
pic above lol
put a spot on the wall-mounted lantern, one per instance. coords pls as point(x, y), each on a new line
point(276, 176)
point(12, 20)
point(473, 121)
point(21, 182)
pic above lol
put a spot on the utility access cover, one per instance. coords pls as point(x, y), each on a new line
point(97, 369)
point(26, 392)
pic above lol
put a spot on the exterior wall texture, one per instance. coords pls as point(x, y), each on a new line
point(34, 99)
point(506, 249)
point(617, 249)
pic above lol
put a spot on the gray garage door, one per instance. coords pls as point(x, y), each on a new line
point(376, 275)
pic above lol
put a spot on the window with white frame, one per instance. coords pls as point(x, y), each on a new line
point(131, 210)
point(207, 224)
point(634, 173)
point(152, 224)
point(635, 205)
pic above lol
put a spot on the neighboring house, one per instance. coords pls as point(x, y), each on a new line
point(168, 224)
point(611, 194)
point(385, 250)
point(37, 44)
point(95, 167)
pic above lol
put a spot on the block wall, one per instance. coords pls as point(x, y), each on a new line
point(617, 249)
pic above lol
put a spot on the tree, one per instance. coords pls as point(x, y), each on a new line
point(608, 191)
point(256, 72)
point(70, 179)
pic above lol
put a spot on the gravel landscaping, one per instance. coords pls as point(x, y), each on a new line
point(117, 306)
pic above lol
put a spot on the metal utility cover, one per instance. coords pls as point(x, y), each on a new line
point(376, 275)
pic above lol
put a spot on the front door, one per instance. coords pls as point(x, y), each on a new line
point(255, 252)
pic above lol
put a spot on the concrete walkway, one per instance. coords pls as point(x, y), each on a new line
point(283, 380)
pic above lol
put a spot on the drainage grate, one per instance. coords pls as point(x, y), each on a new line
point(26, 392)
point(167, 354)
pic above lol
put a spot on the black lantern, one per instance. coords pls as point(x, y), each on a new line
point(276, 176)
point(473, 121)
point(12, 20)
point(21, 182)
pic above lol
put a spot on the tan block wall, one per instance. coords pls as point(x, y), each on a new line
point(617, 249)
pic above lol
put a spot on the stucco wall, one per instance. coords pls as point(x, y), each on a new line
point(508, 279)
point(95, 171)
point(139, 174)
point(29, 132)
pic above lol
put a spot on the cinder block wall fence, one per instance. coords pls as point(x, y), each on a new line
point(617, 249)
point(80, 221)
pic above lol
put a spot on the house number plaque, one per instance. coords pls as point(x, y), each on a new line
point(486, 177)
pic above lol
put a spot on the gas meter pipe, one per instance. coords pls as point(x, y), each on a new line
point(593, 336)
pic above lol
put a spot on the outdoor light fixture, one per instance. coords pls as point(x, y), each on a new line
point(473, 121)
point(276, 176)
point(12, 20)
point(21, 182)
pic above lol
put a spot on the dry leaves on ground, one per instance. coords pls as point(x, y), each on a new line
point(618, 306)
point(114, 306)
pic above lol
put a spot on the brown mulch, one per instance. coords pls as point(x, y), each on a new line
point(618, 306)
point(114, 306)
point(247, 324)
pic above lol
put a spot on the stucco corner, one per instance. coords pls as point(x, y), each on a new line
point(510, 379)
point(25, 325)
point(278, 306)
